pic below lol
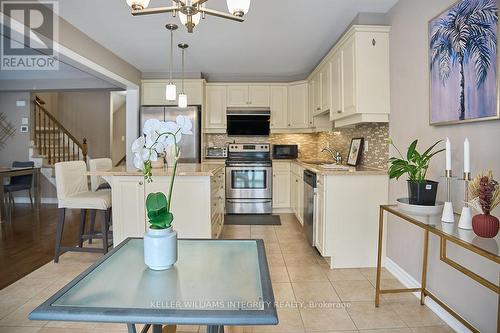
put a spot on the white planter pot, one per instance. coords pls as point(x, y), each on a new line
point(160, 248)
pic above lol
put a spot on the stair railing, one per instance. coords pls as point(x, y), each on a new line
point(53, 140)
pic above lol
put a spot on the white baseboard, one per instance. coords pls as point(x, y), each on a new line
point(409, 282)
point(26, 200)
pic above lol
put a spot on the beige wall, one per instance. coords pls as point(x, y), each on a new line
point(87, 115)
point(16, 147)
point(409, 120)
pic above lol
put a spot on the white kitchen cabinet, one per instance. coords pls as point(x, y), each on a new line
point(215, 109)
point(279, 107)
point(259, 95)
point(316, 82)
point(237, 95)
point(364, 77)
point(281, 184)
point(297, 191)
point(153, 92)
point(242, 95)
point(336, 81)
point(320, 215)
point(298, 103)
point(326, 94)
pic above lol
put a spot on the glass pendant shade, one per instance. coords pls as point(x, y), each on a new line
point(183, 101)
point(138, 4)
point(238, 7)
point(171, 92)
point(184, 19)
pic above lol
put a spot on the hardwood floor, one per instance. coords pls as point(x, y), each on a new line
point(27, 241)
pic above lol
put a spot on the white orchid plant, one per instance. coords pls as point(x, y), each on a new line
point(157, 137)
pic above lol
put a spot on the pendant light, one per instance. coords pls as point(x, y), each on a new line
point(182, 95)
point(170, 89)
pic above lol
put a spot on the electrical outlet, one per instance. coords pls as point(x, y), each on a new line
point(366, 146)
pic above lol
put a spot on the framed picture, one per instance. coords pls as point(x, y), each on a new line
point(463, 71)
point(355, 151)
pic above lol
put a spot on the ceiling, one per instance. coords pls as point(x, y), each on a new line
point(280, 40)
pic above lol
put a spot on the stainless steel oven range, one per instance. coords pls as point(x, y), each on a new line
point(249, 179)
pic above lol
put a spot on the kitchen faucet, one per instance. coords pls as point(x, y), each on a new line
point(335, 154)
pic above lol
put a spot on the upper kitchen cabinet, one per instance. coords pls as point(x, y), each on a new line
point(241, 95)
point(316, 93)
point(279, 107)
point(354, 77)
point(153, 92)
point(215, 109)
point(298, 105)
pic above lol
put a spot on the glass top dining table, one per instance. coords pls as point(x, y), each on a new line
point(214, 282)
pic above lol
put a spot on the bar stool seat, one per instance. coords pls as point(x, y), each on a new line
point(73, 193)
point(100, 200)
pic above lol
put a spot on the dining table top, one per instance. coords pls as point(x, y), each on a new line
point(214, 282)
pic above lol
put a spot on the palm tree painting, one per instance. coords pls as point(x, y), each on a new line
point(463, 62)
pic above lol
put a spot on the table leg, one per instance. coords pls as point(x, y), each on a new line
point(424, 267)
point(157, 328)
point(215, 329)
point(3, 207)
point(379, 255)
point(131, 328)
point(37, 189)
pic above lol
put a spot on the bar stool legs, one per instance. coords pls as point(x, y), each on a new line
point(93, 213)
point(104, 230)
point(59, 233)
point(83, 219)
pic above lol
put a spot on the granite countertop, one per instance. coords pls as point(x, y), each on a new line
point(353, 171)
point(183, 169)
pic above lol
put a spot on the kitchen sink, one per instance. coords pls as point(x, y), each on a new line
point(318, 162)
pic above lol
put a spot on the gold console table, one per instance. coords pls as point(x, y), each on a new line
point(447, 232)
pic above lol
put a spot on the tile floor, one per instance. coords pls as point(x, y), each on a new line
point(311, 297)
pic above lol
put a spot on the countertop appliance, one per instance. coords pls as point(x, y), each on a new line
point(190, 144)
point(309, 204)
point(248, 121)
point(249, 179)
point(284, 152)
point(216, 152)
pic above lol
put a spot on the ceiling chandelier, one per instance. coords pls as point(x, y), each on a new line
point(192, 11)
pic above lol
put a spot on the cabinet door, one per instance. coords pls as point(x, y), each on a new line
point(349, 76)
point(153, 93)
point(298, 115)
point(317, 93)
point(129, 207)
point(281, 189)
point(300, 200)
point(320, 217)
point(215, 114)
point(326, 94)
point(279, 108)
point(258, 96)
point(336, 91)
point(293, 193)
point(237, 95)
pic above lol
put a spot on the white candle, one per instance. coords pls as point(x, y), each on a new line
point(448, 154)
point(466, 155)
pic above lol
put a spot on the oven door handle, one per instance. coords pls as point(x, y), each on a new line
point(246, 166)
point(249, 201)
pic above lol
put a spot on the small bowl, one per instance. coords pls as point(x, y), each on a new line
point(404, 205)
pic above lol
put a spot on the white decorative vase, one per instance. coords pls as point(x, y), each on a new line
point(160, 248)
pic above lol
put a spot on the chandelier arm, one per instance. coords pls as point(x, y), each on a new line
point(157, 10)
point(198, 2)
point(221, 14)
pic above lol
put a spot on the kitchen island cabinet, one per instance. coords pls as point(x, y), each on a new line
point(197, 200)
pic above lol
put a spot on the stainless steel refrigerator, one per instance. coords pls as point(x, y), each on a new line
point(190, 144)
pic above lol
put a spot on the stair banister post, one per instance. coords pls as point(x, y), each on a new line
point(84, 150)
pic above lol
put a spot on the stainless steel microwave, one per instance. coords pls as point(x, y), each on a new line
point(285, 152)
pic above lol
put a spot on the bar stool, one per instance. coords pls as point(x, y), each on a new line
point(98, 183)
point(73, 193)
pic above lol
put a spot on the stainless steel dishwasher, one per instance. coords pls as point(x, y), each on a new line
point(309, 204)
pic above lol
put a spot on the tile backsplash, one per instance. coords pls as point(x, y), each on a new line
point(310, 144)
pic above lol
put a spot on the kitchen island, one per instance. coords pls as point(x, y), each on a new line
point(197, 200)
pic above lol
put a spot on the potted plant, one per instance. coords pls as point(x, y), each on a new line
point(160, 241)
point(421, 191)
point(485, 194)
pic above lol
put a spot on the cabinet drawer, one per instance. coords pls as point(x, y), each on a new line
point(281, 166)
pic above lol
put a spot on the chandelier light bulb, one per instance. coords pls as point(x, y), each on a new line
point(238, 7)
point(138, 4)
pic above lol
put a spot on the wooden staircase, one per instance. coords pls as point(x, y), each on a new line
point(52, 142)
